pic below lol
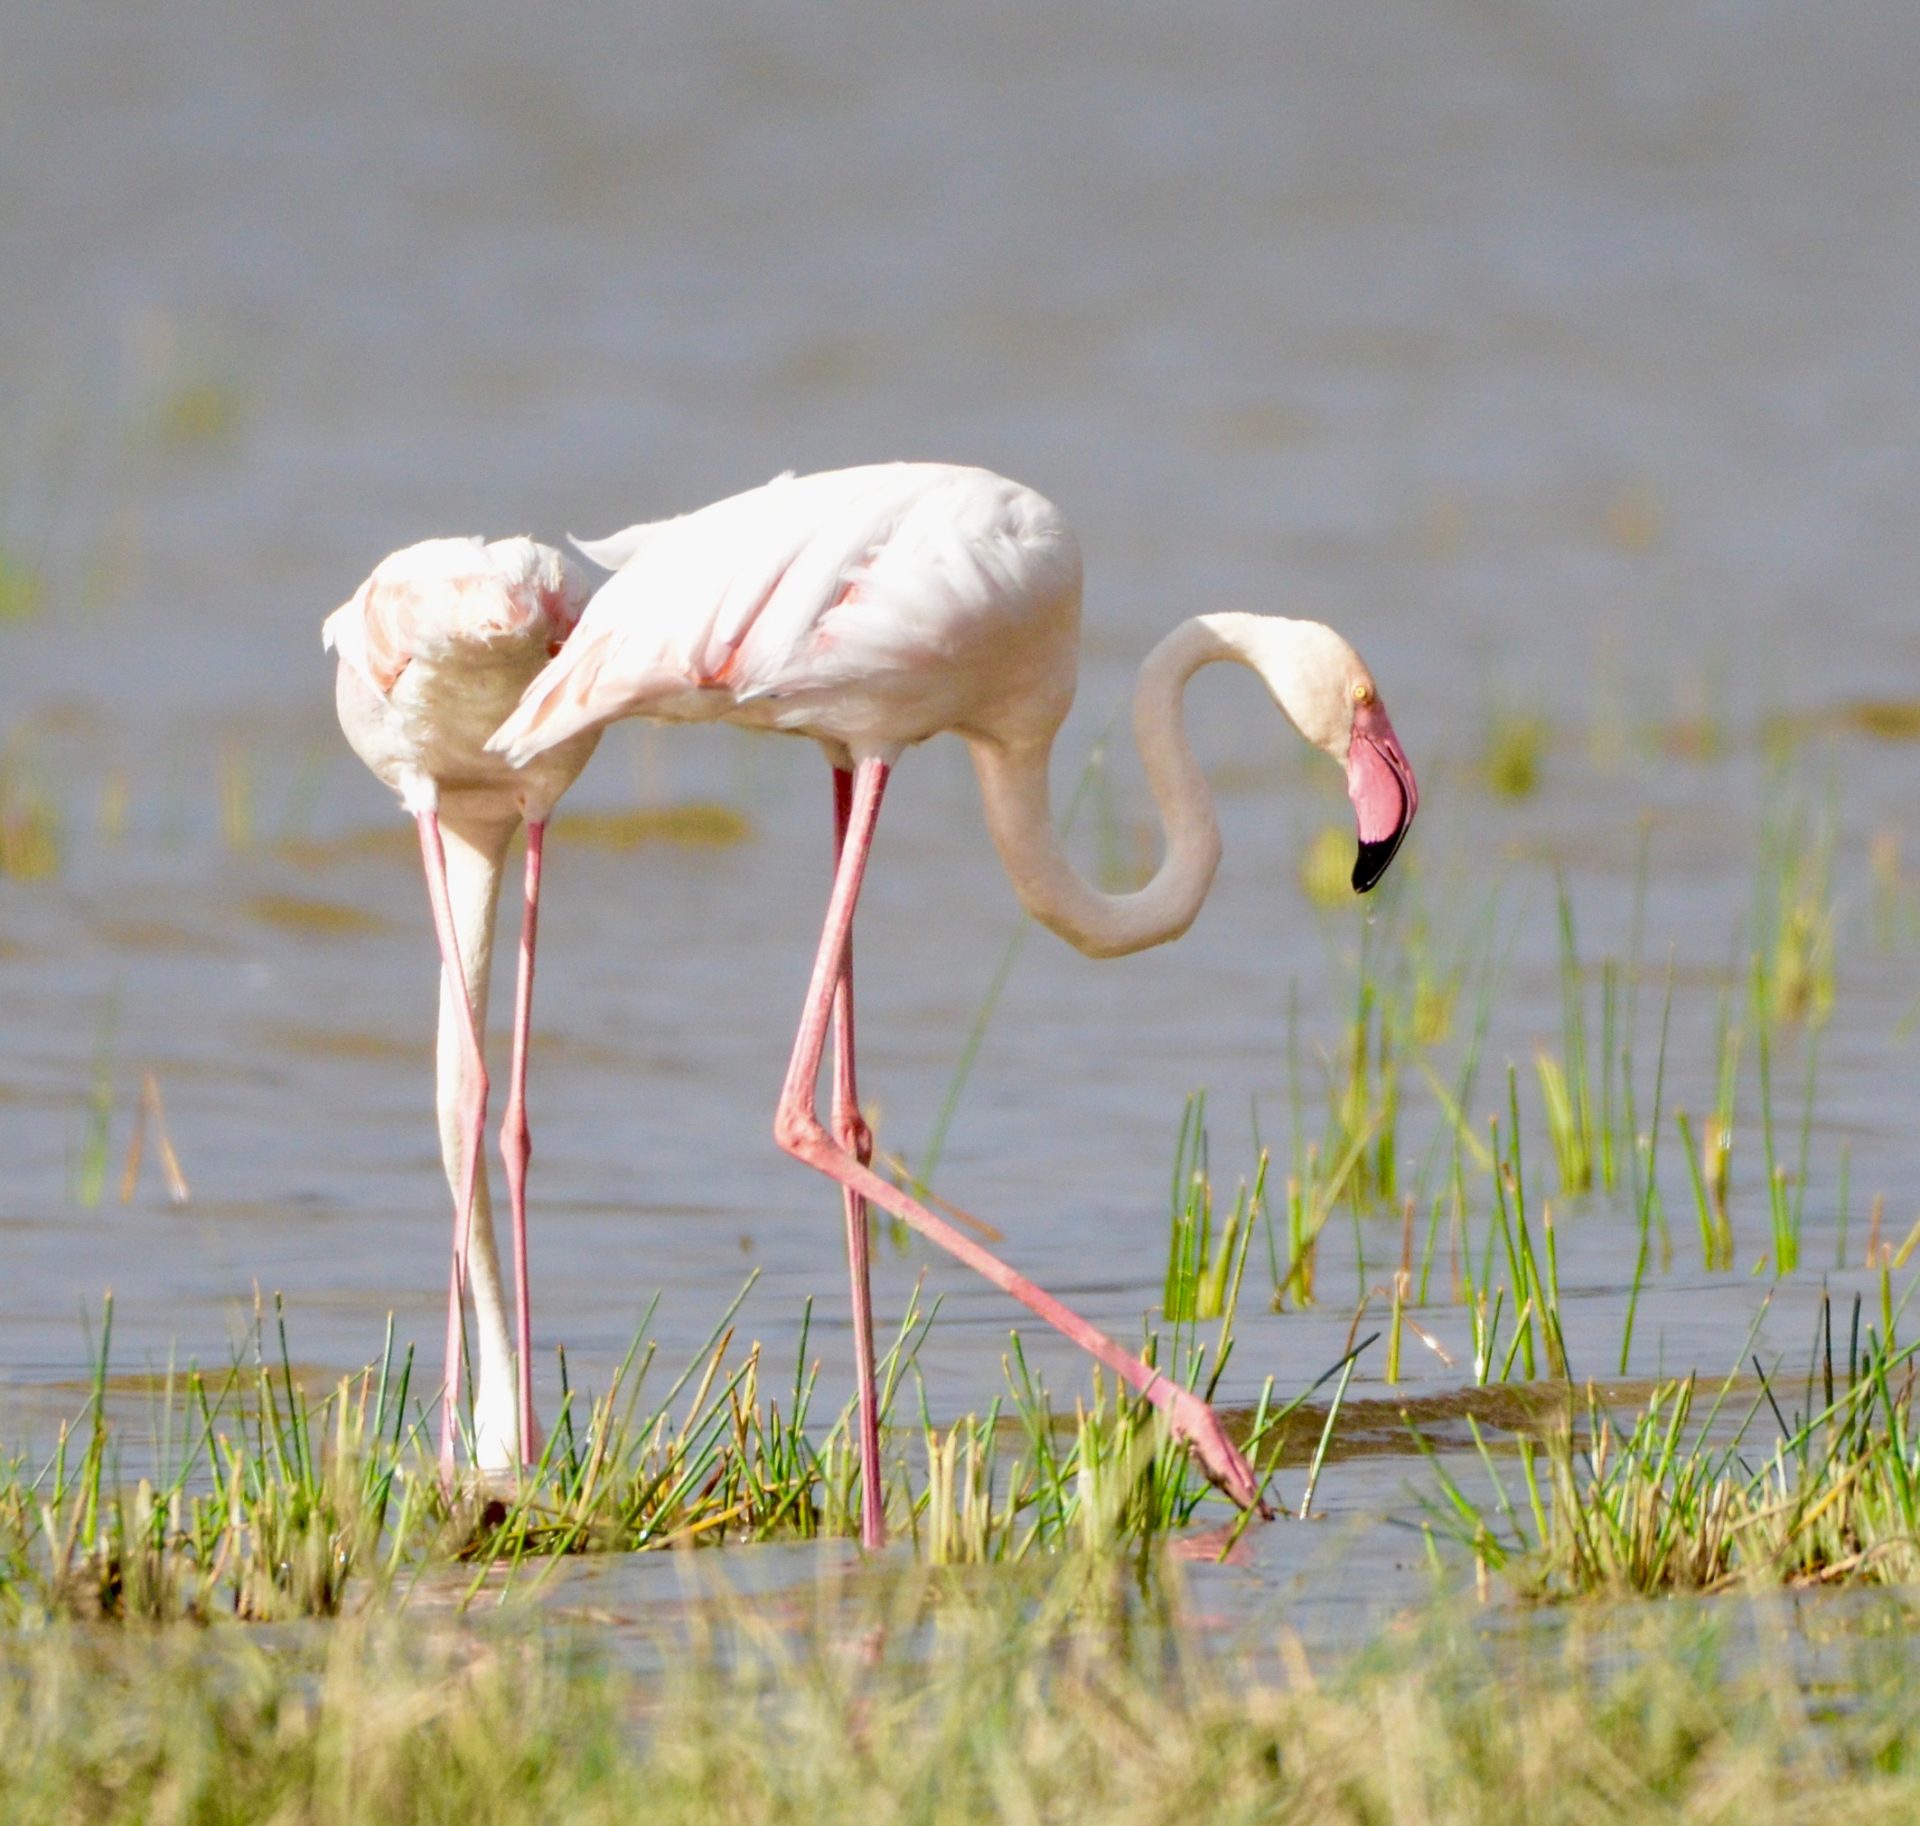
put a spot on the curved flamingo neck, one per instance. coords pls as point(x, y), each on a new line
point(1014, 790)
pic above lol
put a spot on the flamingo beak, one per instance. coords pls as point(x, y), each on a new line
point(1381, 785)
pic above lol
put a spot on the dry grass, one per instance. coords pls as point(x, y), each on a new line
point(922, 1700)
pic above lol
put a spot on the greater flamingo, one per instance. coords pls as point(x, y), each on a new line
point(870, 609)
point(435, 648)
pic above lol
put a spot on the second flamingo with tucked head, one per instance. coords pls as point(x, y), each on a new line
point(435, 647)
point(871, 609)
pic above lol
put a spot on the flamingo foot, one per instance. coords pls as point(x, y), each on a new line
point(1223, 1462)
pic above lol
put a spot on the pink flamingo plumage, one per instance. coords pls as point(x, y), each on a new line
point(871, 609)
point(435, 648)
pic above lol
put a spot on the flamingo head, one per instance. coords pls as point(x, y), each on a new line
point(1380, 783)
point(1325, 689)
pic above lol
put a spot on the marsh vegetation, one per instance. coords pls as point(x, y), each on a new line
point(1476, 1239)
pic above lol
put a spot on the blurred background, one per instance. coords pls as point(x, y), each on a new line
point(1562, 355)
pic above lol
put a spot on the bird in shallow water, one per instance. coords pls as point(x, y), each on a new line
point(871, 609)
point(435, 648)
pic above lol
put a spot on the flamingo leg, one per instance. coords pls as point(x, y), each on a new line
point(798, 1130)
point(473, 1120)
point(850, 1131)
point(516, 1147)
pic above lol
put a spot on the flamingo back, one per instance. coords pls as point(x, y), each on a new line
point(870, 607)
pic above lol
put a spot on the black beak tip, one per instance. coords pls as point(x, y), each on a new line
point(1371, 862)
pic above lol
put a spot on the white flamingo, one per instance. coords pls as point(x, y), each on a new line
point(435, 648)
point(870, 609)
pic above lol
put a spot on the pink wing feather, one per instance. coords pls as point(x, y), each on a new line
point(809, 588)
point(730, 598)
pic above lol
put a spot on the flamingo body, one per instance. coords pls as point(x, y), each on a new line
point(435, 647)
point(870, 609)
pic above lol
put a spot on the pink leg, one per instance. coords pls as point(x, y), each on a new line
point(516, 1143)
point(473, 1122)
point(797, 1129)
point(855, 1138)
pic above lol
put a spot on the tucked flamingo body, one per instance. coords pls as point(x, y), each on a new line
point(435, 648)
point(871, 609)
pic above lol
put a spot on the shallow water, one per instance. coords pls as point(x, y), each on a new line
point(1561, 357)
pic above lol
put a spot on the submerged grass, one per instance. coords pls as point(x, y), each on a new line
point(23, 591)
point(29, 820)
point(1513, 748)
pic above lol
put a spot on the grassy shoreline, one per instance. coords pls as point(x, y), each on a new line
point(264, 1501)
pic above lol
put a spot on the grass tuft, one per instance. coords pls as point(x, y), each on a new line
point(1672, 1500)
point(694, 825)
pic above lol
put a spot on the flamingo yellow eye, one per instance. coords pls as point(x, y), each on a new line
point(1363, 694)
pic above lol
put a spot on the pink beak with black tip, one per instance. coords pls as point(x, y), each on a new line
point(1381, 785)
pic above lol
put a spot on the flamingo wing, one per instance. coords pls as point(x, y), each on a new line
point(752, 597)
